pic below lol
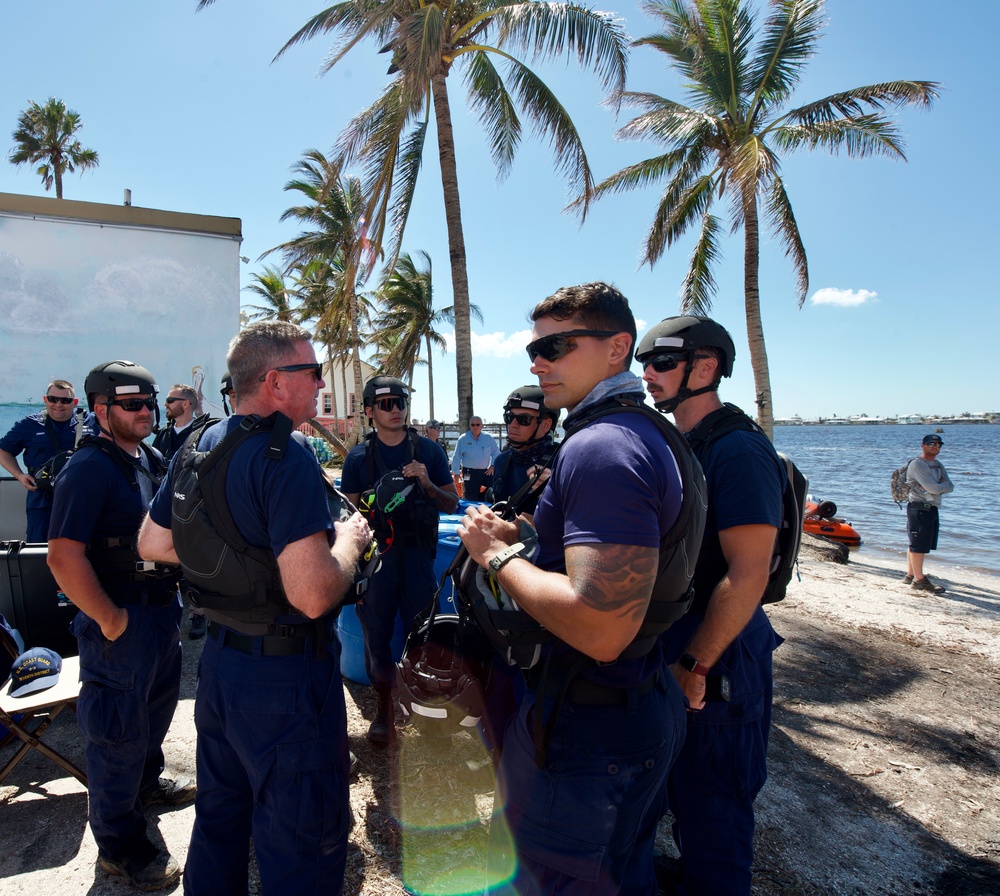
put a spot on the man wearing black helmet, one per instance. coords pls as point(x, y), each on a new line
point(227, 391)
point(128, 624)
point(400, 481)
point(245, 512)
point(529, 445)
point(722, 765)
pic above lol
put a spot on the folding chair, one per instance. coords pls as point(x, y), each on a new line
point(18, 713)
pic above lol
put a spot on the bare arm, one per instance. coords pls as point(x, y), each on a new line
point(444, 496)
point(316, 576)
point(596, 607)
point(747, 550)
point(76, 577)
point(156, 543)
point(10, 464)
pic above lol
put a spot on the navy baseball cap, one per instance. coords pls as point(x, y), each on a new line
point(34, 670)
point(932, 440)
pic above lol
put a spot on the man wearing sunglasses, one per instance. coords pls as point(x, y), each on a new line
point(401, 481)
point(245, 512)
point(128, 625)
point(472, 462)
point(40, 437)
point(179, 407)
point(586, 756)
point(727, 631)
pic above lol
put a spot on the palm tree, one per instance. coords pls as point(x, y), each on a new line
point(335, 211)
point(726, 143)
point(45, 136)
point(427, 40)
point(408, 316)
point(270, 287)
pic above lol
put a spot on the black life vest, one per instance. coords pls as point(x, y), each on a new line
point(397, 508)
point(517, 636)
point(504, 475)
point(115, 559)
point(236, 583)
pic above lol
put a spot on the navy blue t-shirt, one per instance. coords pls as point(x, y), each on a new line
point(355, 479)
point(274, 502)
point(93, 499)
point(745, 480)
point(30, 435)
point(615, 482)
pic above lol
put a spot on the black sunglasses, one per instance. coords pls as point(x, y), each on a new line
point(388, 404)
point(666, 363)
point(315, 369)
point(172, 400)
point(522, 419)
point(556, 345)
point(133, 405)
point(58, 399)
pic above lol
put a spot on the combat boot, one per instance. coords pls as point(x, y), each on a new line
point(382, 727)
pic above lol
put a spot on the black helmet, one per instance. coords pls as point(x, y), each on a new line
point(383, 387)
point(444, 674)
point(684, 335)
point(227, 387)
point(530, 397)
point(118, 378)
point(688, 333)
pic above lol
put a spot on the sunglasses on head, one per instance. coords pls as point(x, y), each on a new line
point(133, 405)
point(58, 399)
point(666, 363)
point(315, 369)
point(390, 404)
point(556, 345)
point(521, 419)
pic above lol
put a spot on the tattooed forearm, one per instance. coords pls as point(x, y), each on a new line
point(613, 578)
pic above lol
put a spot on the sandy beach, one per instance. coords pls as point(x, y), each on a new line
point(884, 761)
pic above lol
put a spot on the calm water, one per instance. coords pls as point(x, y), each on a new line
point(850, 465)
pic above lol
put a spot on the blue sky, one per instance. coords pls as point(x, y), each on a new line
point(188, 112)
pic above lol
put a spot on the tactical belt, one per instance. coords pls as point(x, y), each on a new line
point(269, 645)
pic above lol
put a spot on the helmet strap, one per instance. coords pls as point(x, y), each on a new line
point(669, 405)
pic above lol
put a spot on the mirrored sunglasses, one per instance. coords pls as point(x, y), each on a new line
point(556, 345)
point(521, 419)
point(58, 399)
point(391, 403)
point(133, 405)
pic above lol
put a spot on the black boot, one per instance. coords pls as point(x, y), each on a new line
point(382, 727)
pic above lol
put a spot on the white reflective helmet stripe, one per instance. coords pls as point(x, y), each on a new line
point(431, 712)
point(669, 342)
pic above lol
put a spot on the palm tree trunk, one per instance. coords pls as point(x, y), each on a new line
point(347, 402)
point(456, 248)
point(755, 327)
point(359, 385)
point(430, 379)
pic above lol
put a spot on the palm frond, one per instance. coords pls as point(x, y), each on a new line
point(859, 137)
point(489, 99)
point(699, 286)
point(781, 218)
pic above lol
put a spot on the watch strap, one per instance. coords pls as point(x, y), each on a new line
point(515, 550)
point(693, 665)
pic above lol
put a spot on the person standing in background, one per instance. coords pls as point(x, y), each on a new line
point(928, 481)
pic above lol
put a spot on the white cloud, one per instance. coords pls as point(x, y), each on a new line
point(493, 345)
point(845, 298)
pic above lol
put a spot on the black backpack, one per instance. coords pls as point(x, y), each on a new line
point(784, 558)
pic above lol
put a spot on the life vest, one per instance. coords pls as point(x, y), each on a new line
point(518, 637)
point(397, 508)
point(539, 455)
point(236, 583)
point(115, 559)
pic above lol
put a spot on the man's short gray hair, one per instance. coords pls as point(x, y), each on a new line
point(258, 348)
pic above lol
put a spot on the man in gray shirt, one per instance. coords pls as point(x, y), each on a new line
point(928, 481)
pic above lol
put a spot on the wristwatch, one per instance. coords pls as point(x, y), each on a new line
point(496, 564)
point(689, 663)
